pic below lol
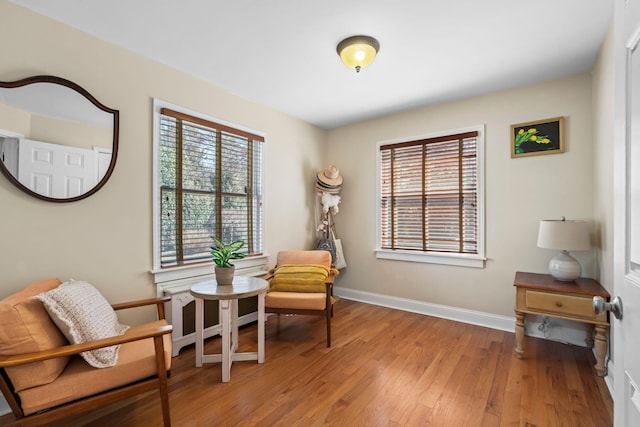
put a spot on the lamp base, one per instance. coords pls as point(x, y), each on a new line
point(564, 267)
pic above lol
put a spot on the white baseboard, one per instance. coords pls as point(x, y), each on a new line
point(560, 330)
point(493, 321)
point(609, 379)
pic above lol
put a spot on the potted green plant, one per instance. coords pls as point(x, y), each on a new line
point(222, 255)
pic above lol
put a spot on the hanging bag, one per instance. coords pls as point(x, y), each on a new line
point(327, 245)
point(339, 261)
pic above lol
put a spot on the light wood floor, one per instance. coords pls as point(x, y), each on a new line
point(385, 368)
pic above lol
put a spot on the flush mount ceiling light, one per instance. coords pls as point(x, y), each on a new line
point(358, 51)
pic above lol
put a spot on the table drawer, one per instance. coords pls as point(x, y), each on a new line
point(569, 305)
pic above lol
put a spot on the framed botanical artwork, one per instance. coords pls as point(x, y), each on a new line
point(539, 137)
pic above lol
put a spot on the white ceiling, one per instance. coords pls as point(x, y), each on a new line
point(282, 53)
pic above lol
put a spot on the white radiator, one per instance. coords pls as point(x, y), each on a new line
point(180, 297)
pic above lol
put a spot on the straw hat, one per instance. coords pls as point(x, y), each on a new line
point(330, 177)
point(330, 190)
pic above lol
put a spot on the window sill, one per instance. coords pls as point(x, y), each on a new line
point(244, 267)
point(459, 260)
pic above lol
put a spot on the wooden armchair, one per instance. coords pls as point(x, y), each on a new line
point(44, 379)
point(299, 300)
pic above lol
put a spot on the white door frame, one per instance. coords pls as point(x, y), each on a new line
point(626, 186)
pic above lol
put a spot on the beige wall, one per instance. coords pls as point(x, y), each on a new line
point(14, 120)
point(107, 238)
point(52, 130)
point(75, 134)
point(603, 117)
point(519, 193)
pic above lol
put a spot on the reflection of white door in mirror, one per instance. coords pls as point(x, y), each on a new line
point(55, 170)
point(9, 153)
point(57, 111)
point(103, 160)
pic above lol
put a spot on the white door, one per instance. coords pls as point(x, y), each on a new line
point(626, 331)
point(9, 154)
point(103, 161)
point(55, 170)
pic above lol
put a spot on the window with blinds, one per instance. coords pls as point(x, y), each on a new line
point(210, 185)
point(429, 191)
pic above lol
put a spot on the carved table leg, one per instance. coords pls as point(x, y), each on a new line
point(589, 339)
point(601, 349)
point(519, 335)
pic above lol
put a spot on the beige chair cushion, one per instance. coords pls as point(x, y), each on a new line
point(26, 327)
point(299, 300)
point(136, 361)
point(83, 314)
point(296, 300)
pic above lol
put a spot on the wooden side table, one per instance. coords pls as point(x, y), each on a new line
point(541, 294)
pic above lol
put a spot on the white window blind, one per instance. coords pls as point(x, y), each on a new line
point(429, 195)
point(210, 185)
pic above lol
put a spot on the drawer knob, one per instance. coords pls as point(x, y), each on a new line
point(558, 304)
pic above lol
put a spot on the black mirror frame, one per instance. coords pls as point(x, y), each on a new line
point(116, 131)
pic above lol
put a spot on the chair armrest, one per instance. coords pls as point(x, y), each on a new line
point(71, 349)
point(159, 302)
point(268, 276)
point(329, 288)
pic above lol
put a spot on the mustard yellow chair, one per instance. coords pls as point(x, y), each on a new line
point(302, 283)
point(44, 379)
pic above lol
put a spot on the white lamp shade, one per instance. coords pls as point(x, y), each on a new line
point(566, 235)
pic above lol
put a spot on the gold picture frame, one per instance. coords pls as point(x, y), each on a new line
point(537, 137)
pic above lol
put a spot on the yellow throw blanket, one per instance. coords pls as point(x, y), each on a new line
point(299, 278)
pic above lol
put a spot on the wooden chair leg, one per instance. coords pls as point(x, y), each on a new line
point(162, 380)
point(329, 326)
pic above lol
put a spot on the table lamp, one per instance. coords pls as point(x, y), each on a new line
point(565, 235)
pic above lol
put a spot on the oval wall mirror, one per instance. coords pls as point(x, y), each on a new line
point(57, 142)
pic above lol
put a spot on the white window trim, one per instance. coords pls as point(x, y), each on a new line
point(454, 259)
point(163, 275)
point(244, 267)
